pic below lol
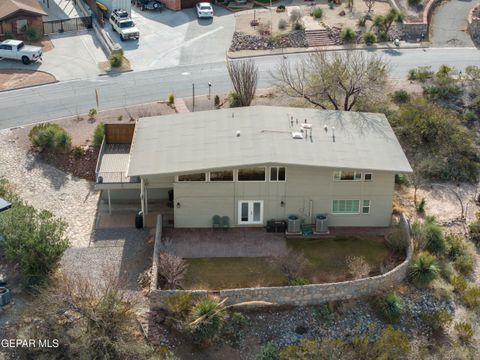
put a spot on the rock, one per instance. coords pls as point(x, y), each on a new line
point(342, 13)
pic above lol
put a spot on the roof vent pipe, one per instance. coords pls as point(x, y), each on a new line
point(238, 133)
point(325, 127)
point(333, 134)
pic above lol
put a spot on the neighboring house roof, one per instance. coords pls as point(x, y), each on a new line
point(10, 7)
point(200, 141)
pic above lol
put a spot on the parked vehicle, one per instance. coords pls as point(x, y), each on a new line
point(151, 5)
point(17, 50)
point(204, 10)
point(123, 24)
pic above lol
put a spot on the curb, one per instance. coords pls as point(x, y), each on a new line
point(293, 51)
point(115, 73)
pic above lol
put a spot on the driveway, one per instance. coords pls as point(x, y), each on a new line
point(75, 55)
point(173, 38)
point(448, 25)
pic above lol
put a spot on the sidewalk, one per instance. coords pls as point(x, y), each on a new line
point(255, 53)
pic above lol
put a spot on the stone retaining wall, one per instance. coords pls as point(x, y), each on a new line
point(415, 30)
point(295, 295)
point(474, 23)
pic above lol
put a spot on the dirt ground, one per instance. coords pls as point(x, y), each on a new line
point(412, 13)
point(265, 17)
point(14, 79)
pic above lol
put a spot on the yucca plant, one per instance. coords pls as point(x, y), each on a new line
point(391, 307)
point(208, 316)
point(423, 269)
point(435, 238)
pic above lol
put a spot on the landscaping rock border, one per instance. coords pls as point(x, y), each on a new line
point(313, 294)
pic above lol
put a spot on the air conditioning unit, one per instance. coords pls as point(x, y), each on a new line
point(321, 224)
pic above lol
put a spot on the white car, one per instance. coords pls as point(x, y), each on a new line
point(17, 50)
point(123, 24)
point(204, 10)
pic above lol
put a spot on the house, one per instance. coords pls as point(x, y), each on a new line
point(17, 15)
point(256, 163)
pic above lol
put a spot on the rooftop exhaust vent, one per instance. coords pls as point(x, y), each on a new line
point(238, 133)
point(297, 135)
point(306, 126)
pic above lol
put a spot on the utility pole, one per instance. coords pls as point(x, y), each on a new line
point(209, 89)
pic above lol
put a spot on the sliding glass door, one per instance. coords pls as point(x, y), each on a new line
point(250, 212)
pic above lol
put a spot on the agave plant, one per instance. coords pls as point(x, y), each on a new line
point(423, 269)
point(391, 307)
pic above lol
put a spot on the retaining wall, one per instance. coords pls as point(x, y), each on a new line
point(474, 23)
point(415, 30)
point(297, 295)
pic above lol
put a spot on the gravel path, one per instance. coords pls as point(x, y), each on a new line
point(46, 187)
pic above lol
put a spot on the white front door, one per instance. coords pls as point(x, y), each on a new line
point(250, 212)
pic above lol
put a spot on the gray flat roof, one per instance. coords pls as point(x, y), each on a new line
point(200, 141)
point(4, 205)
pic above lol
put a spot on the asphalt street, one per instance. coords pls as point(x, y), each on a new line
point(48, 102)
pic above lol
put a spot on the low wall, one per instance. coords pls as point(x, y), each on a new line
point(418, 30)
point(474, 23)
point(297, 295)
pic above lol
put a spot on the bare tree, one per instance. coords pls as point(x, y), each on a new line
point(369, 4)
point(357, 267)
point(244, 77)
point(338, 80)
point(291, 264)
point(172, 269)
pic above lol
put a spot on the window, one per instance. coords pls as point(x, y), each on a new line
point(347, 175)
point(21, 25)
point(346, 206)
point(277, 173)
point(192, 177)
point(366, 207)
point(251, 174)
point(367, 177)
point(226, 175)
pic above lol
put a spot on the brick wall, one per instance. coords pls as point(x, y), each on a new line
point(300, 295)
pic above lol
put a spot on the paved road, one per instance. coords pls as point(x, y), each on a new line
point(449, 23)
point(69, 98)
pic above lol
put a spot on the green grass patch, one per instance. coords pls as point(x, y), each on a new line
point(326, 258)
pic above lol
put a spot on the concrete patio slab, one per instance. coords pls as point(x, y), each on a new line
point(233, 242)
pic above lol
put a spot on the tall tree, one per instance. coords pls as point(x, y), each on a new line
point(244, 77)
point(338, 80)
point(369, 4)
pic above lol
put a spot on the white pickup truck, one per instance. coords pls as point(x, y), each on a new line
point(17, 50)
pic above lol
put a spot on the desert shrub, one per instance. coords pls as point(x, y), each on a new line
point(171, 98)
point(465, 264)
point(298, 25)
point(98, 135)
point(423, 269)
point(208, 317)
point(216, 101)
point(414, 2)
point(282, 24)
point(316, 13)
point(382, 36)
point(400, 97)
point(421, 73)
point(391, 344)
point(397, 242)
point(459, 284)
point(348, 35)
point(390, 307)
point(474, 232)
point(437, 319)
point(325, 313)
point(435, 92)
point(33, 239)
point(299, 281)
point(291, 264)
point(50, 136)
point(420, 206)
point(269, 351)
point(435, 238)
point(446, 270)
point(464, 331)
point(369, 37)
point(362, 21)
point(234, 100)
point(469, 117)
point(78, 152)
point(471, 296)
point(179, 304)
point(325, 349)
point(357, 267)
point(92, 113)
point(456, 246)
point(295, 16)
point(172, 270)
point(32, 34)
point(401, 179)
point(116, 60)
